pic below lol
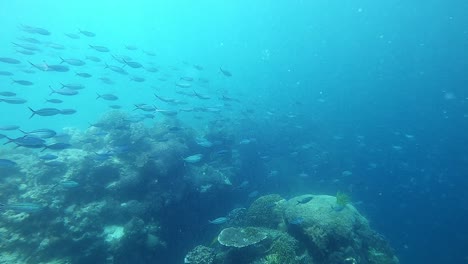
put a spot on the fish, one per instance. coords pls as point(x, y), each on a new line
point(53, 101)
point(219, 220)
point(133, 64)
point(145, 107)
point(54, 163)
point(30, 40)
point(56, 46)
point(41, 67)
point(9, 60)
point(26, 52)
point(87, 33)
point(152, 69)
point(84, 74)
point(22, 207)
point(131, 47)
point(73, 86)
point(93, 58)
point(44, 112)
point(203, 142)
point(247, 141)
point(183, 84)
point(167, 112)
point(63, 91)
point(67, 111)
point(193, 158)
point(48, 157)
point(108, 97)
point(27, 142)
point(25, 46)
point(305, 200)
point(149, 53)
point(57, 146)
point(186, 78)
point(6, 163)
point(106, 80)
point(200, 96)
point(116, 69)
point(40, 133)
point(137, 79)
point(35, 30)
point(7, 94)
point(9, 127)
point(74, 62)
point(6, 73)
point(165, 99)
point(57, 68)
point(72, 35)
point(68, 184)
point(100, 48)
point(13, 100)
point(22, 82)
point(225, 72)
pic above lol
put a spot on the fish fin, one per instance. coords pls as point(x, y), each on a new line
point(33, 112)
point(51, 93)
point(9, 141)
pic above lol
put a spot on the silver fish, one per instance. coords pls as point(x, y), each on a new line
point(44, 112)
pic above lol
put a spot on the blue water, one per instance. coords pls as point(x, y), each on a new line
point(366, 97)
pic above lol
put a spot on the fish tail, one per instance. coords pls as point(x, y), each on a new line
point(33, 112)
point(9, 140)
point(98, 96)
point(22, 130)
point(53, 91)
point(45, 147)
point(61, 59)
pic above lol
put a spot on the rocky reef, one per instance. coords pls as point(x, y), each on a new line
point(103, 197)
point(125, 190)
point(308, 229)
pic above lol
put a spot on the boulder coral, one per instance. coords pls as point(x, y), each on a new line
point(305, 229)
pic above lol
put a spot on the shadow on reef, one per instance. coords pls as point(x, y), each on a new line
point(305, 229)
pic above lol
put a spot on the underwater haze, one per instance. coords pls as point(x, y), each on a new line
point(241, 131)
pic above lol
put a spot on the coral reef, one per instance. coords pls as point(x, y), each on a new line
point(265, 212)
point(317, 232)
point(240, 237)
point(110, 195)
point(200, 255)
